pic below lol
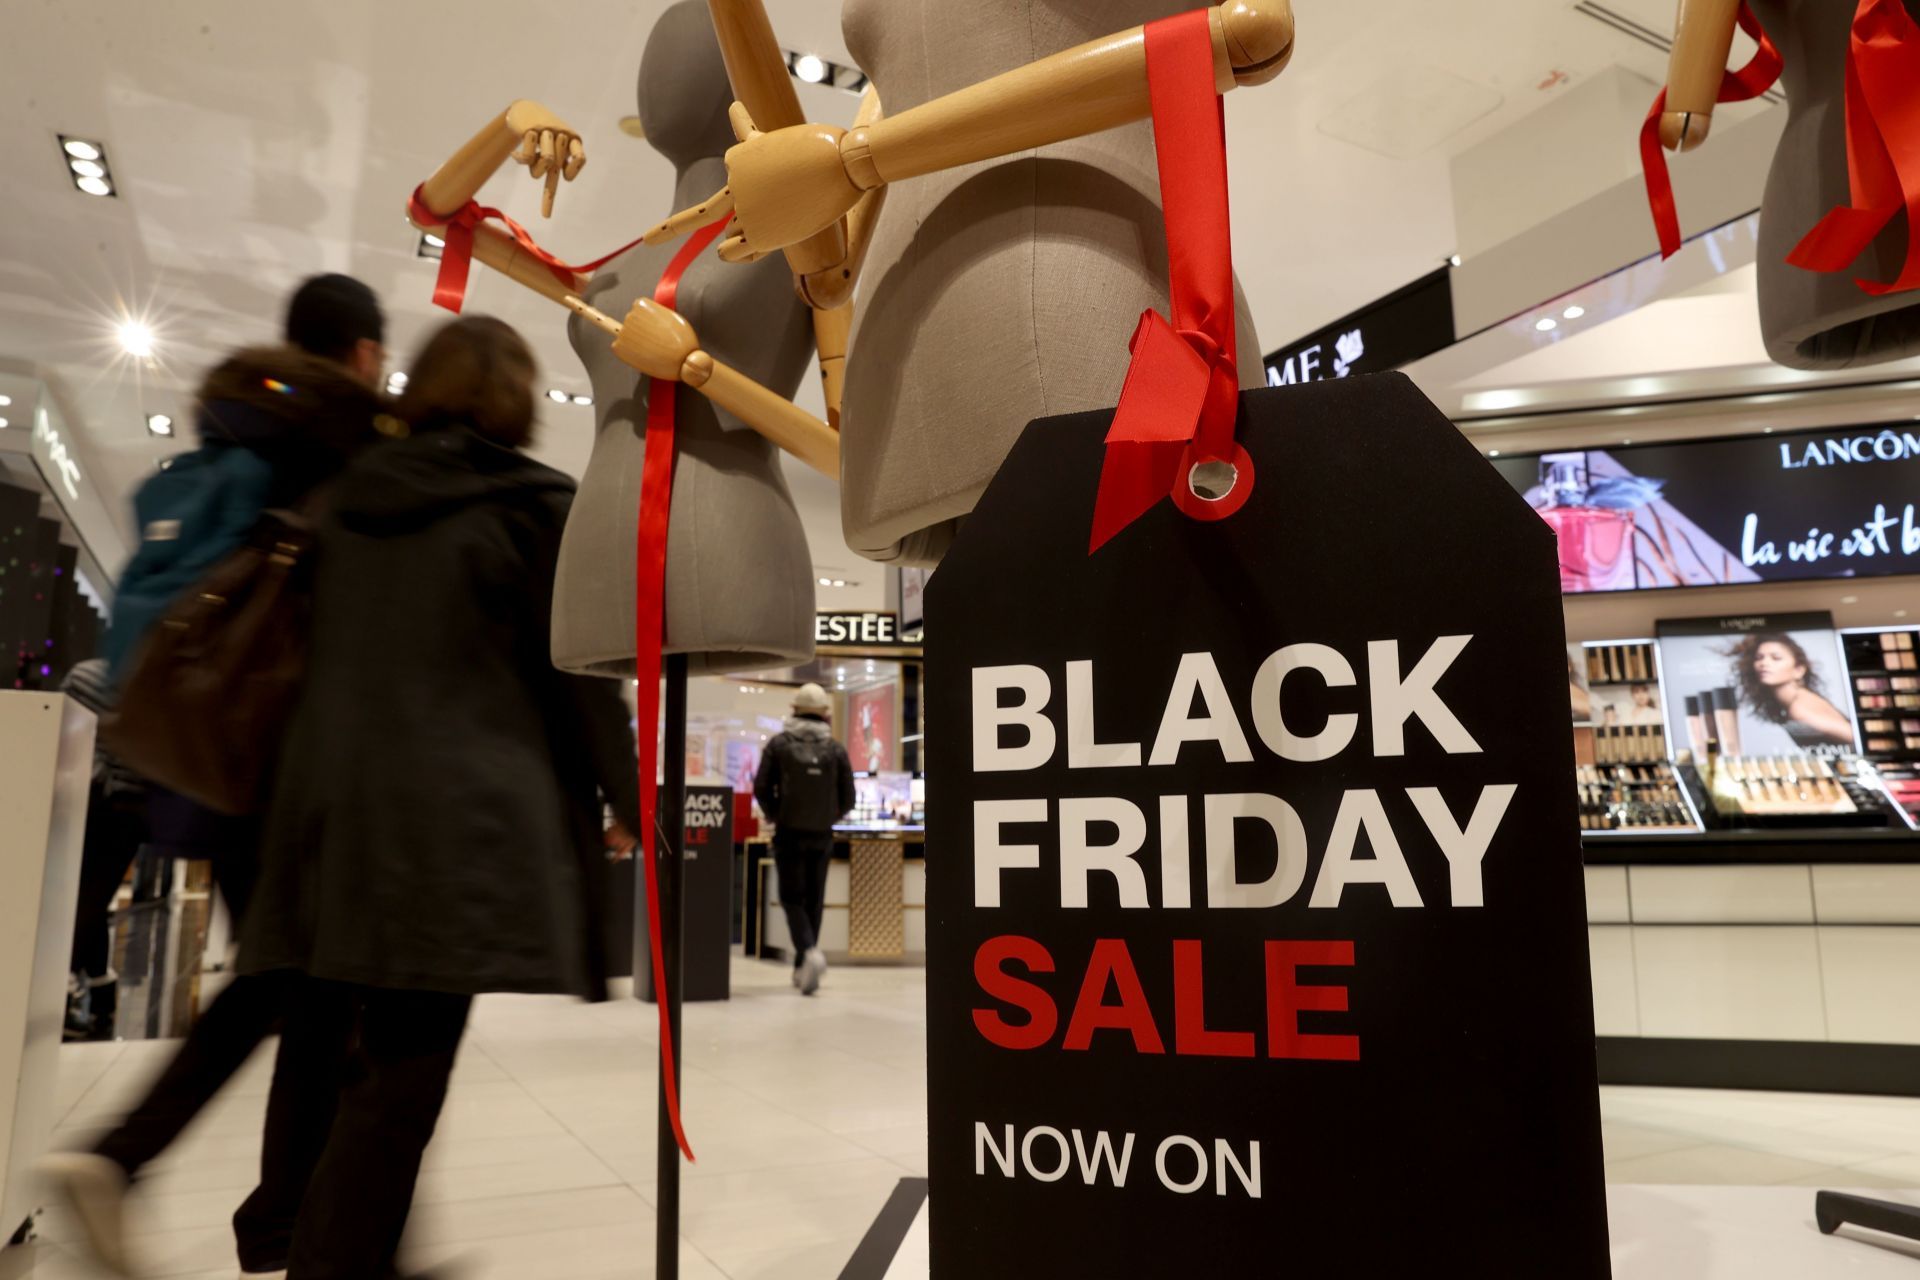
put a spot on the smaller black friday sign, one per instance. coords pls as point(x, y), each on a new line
point(1255, 905)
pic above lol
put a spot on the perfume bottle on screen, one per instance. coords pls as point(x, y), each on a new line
point(1596, 541)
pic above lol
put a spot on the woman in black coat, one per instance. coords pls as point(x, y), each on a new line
point(435, 831)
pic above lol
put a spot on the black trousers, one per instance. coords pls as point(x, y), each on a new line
point(356, 1208)
point(800, 858)
point(307, 1078)
point(115, 829)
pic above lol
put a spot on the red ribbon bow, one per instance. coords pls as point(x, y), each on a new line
point(1883, 147)
point(456, 258)
point(1178, 404)
point(1883, 143)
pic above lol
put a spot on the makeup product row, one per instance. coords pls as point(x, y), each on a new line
point(1632, 798)
point(1629, 744)
point(1781, 784)
point(1713, 723)
point(1619, 663)
point(1886, 689)
point(1897, 651)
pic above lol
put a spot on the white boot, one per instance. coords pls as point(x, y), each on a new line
point(95, 1189)
point(814, 969)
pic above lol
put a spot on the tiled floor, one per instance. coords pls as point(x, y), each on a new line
point(804, 1113)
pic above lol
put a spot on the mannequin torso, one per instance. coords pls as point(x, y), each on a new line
point(994, 293)
point(739, 578)
point(1812, 319)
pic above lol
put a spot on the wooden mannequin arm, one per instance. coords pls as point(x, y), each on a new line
point(661, 344)
point(787, 184)
point(526, 132)
point(1703, 37)
point(832, 288)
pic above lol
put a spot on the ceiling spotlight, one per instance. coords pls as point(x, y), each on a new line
point(809, 68)
point(136, 339)
point(558, 396)
point(583, 399)
point(1766, 431)
point(1628, 440)
point(3, 424)
point(1493, 453)
point(87, 165)
point(6, 400)
point(839, 582)
point(396, 380)
point(1453, 260)
point(159, 424)
point(1545, 323)
point(1573, 312)
point(430, 247)
point(826, 582)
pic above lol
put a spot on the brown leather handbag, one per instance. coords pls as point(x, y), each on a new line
point(207, 698)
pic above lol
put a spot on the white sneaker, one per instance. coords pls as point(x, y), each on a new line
point(812, 971)
point(95, 1189)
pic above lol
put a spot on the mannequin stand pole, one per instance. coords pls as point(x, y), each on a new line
point(667, 986)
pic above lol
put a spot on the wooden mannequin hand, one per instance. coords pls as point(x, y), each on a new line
point(782, 187)
point(549, 147)
point(1684, 130)
point(656, 340)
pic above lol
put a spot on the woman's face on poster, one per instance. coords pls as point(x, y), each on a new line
point(1775, 664)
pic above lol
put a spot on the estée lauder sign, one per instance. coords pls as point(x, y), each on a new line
point(1255, 900)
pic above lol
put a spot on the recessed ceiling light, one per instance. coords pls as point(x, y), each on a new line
point(1454, 260)
point(583, 399)
point(6, 400)
point(1628, 440)
point(1493, 453)
point(136, 339)
point(1849, 599)
point(430, 247)
point(826, 582)
point(809, 68)
point(159, 424)
point(87, 165)
point(556, 395)
point(1545, 323)
point(1573, 313)
point(839, 582)
point(1766, 431)
point(3, 424)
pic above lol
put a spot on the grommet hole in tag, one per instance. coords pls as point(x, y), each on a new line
point(1213, 488)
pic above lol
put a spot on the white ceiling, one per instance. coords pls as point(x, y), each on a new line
point(254, 144)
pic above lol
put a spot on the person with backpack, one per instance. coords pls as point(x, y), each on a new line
point(274, 425)
point(804, 786)
point(435, 831)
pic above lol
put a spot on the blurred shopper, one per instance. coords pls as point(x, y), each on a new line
point(116, 828)
point(435, 831)
point(275, 423)
point(805, 785)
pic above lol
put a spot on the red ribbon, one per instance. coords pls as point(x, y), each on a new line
point(456, 258)
point(1182, 392)
point(1749, 81)
point(1883, 147)
point(649, 634)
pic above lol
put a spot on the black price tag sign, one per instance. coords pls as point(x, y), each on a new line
point(1257, 938)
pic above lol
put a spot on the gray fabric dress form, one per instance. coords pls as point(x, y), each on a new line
point(739, 581)
point(995, 293)
point(1815, 319)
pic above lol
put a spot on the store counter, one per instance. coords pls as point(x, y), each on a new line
point(1764, 960)
point(876, 897)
